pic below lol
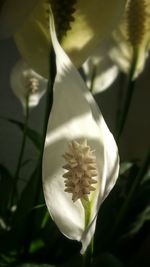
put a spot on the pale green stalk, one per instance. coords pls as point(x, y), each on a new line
point(87, 257)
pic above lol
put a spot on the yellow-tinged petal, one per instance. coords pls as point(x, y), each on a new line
point(12, 15)
point(93, 21)
point(33, 39)
point(78, 120)
point(132, 34)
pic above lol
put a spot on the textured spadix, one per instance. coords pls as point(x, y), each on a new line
point(74, 118)
point(80, 170)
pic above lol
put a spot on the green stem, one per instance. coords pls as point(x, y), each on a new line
point(87, 257)
point(93, 78)
point(38, 185)
point(21, 154)
point(23, 140)
point(126, 205)
point(87, 211)
point(129, 95)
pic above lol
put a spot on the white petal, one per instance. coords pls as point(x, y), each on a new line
point(99, 70)
point(87, 235)
point(75, 115)
point(94, 21)
point(90, 24)
point(122, 53)
point(20, 77)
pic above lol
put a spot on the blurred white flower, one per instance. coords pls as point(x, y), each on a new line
point(83, 25)
point(99, 70)
point(80, 161)
point(132, 35)
point(27, 85)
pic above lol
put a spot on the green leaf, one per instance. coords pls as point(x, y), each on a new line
point(8, 259)
point(35, 265)
point(107, 260)
point(125, 166)
point(108, 213)
point(23, 216)
point(29, 196)
point(141, 218)
point(33, 135)
point(36, 245)
point(146, 177)
point(139, 212)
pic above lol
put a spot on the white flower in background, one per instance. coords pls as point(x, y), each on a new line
point(27, 85)
point(81, 28)
point(132, 35)
point(80, 161)
point(99, 70)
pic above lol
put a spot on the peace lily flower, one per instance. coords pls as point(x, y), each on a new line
point(99, 70)
point(80, 161)
point(81, 26)
point(132, 37)
point(27, 85)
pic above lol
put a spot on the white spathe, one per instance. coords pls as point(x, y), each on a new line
point(122, 49)
point(22, 79)
point(121, 54)
point(90, 23)
point(99, 70)
point(75, 116)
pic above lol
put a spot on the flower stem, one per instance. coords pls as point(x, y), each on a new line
point(21, 154)
point(93, 78)
point(38, 170)
point(87, 257)
point(23, 140)
point(129, 95)
point(87, 210)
